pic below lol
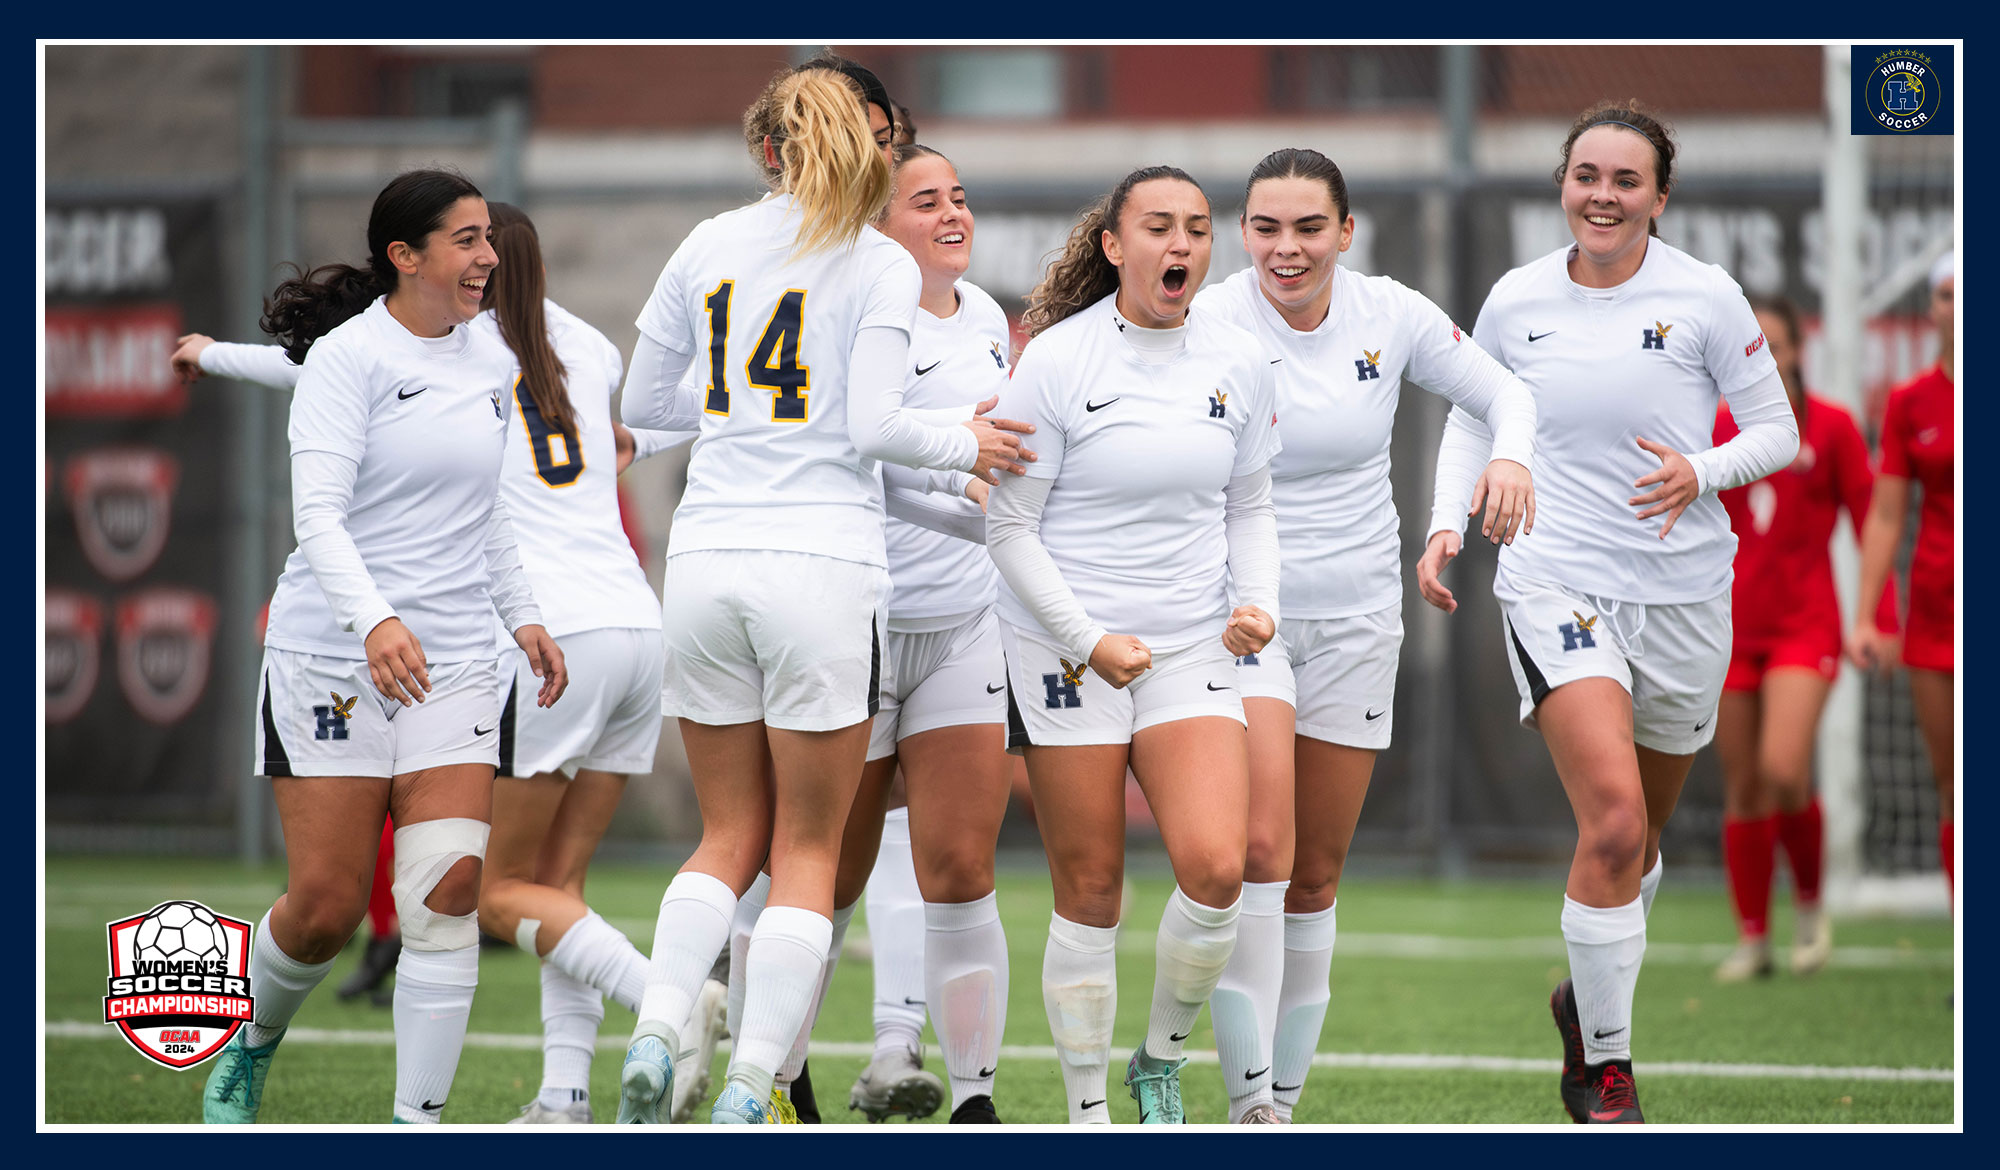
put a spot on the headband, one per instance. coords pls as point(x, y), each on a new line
point(1616, 122)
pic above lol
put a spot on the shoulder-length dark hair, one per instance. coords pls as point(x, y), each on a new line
point(515, 290)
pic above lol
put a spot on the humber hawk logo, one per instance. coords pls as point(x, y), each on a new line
point(180, 981)
point(1656, 337)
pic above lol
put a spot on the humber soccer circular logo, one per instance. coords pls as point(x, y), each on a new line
point(1903, 93)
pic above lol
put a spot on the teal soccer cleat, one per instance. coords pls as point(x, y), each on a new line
point(236, 1084)
point(646, 1085)
point(1156, 1086)
point(738, 1106)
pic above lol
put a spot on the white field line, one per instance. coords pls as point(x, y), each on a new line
point(84, 1030)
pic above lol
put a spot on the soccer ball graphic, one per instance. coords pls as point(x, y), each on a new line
point(178, 932)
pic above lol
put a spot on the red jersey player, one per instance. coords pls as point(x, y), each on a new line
point(1786, 654)
point(1920, 442)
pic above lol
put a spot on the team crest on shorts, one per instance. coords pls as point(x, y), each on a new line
point(180, 981)
point(70, 640)
point(163, 651)
point(122, 499)
point(1579, 634)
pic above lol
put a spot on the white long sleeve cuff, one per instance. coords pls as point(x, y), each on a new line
point(654, 398)
point(511, 594)
point(960, 518)
point(1014, 541)
point(322, 490)
point(1250, 525)
point(1767, 441)
point(1463, 453)
point(877, 422)
point(927, 480)
point(647, 443)
point(265, 365)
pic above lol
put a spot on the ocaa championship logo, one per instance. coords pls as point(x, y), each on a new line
point(1902, 90)
point(180, 984)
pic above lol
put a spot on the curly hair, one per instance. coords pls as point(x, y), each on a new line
point(1082, 275)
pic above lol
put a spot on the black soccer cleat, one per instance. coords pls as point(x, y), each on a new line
point(377, 962)
point(803, 1102)
point(977, 1110)
point(1575, 1071)
point(1611, 1097)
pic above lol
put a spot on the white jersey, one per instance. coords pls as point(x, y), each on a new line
point(562, 491)
point(1338, 386)
point(770, 332)
point(1141, 455)
point(426, 421)
point(958, 360)
point(1649, 358)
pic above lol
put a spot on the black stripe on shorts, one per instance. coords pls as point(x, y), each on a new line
point(1538, 686)
point(506, 767)
point(1017, 728)
point(276, 762)
point(874, 666)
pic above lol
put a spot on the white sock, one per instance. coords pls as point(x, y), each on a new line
point(1189, 955)
point(1080, 995)
point(278, 985)
point(433, 1002)
point(693, 924)
point(787, 956)
point(1605, 948)
point(1302, 1004)
point(796, 1061)
point(596, 953)
point(1244, 1008)
point(1649, 885)
point(740, 928)
point(896, 935)
point(965, 979)
point(571, 1012)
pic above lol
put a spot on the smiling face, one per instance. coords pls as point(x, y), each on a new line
point(1609, 196)
point(443, 275)
point(1161, 247)
point(1294, 231)
point(929, 217)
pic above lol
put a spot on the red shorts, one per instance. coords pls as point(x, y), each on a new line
point(1748, 665)
point(1928, 630)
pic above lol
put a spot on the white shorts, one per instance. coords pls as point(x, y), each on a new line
point(1338, 674)
point(322, 716)
point(944, 678)
point(1054, 701)
point(1671, 659)
point(791, 638)
point(608, 719)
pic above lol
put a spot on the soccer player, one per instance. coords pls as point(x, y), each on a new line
point(1920, 444)
point(1784, 659)
point(793, 317)
point(1616, 609)
point(1152, 491)
point(1320, 698)
point(380, 688)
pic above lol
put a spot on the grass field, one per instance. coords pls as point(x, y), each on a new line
point(1439, 1014)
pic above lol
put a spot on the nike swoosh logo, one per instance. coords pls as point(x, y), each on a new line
point(1002, 687)
point(1703, 723)
point(1179, 1038)
point(1213, 687)
point(1260, 1072)
point(1372, 716)
point(400, 395)
point(1090, 406)
point(1275, 361)
point(1601, 1115)
point(428, 1106)
point(913, 1002)
point(1602, 1033)
point(922, 370)
point(1534, 336)
point(986, 1072)
point(1278, 1088)
point(478, 730)
point(1090, 1104)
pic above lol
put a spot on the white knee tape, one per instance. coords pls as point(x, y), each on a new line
point(424, 852)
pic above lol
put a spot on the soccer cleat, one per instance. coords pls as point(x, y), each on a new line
point(1610, 1096)
point(1814, 944)
point(236, 1084)
point(781, 1108)
point(1261, 1114)
point(738, 1106)
point(1156, 1086)
point(377, 962)
point(536, 1113)
point(895, 1085)
point(691, 1069)
point(1562, 1005)
point(1750, 960)
point(646, 1083)
point(800, 1094)
point(975, 1110)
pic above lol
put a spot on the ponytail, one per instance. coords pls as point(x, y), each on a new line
point(516, 288)
point(830, 163)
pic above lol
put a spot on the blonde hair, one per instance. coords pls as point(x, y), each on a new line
point(828, 159)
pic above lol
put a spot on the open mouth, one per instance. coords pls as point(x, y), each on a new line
point(475, 287)
point(1175, 280)
point(1289, 272)
point(951, 239)
point(1602, 221)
